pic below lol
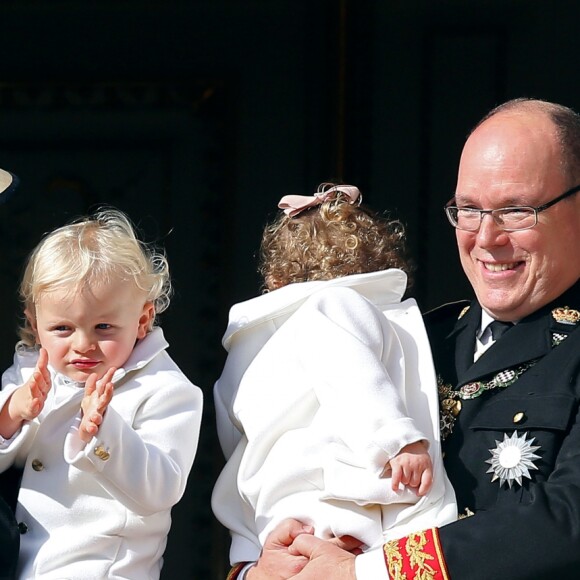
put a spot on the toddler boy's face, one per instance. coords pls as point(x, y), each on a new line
point(92, 330)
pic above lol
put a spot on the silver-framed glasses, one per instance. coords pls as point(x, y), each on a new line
point(509, 219)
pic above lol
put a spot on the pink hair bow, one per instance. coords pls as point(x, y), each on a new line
point(294, 204)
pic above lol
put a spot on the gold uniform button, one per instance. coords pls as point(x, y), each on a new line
point(102, 453)
point(519, 417)
point(37, 465)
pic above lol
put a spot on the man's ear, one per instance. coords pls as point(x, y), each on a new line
point(145, 320)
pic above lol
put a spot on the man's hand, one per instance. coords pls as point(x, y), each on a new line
point(26, 403)
point(276, 562)
point(329, 560)
point(98, 395)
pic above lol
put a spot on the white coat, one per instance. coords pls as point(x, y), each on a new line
point(102, 510)
point(324, 383)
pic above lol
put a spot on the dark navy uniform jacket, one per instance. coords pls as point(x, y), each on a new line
point(528, 531)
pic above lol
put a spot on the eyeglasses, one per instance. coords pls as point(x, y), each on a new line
point(509, 219)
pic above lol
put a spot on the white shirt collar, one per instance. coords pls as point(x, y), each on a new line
point(486, 320)
point(483, 336)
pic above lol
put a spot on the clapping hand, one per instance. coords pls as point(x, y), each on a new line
point(98, 395)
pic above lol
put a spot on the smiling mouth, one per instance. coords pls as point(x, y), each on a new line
point(500, 267)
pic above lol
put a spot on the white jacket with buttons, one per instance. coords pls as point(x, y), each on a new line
point(102, 510)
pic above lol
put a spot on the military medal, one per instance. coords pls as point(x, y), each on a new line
point(512, 459)
point(450, 399)
point(502, 380)
point(449, 408)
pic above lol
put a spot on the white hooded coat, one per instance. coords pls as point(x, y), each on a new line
point(324, 383)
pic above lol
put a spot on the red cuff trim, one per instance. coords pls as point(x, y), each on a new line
point(416, 556)
point(235, 570)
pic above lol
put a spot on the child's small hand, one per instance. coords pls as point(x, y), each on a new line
point(27, 401)
point(98, 395)
point(412, 466)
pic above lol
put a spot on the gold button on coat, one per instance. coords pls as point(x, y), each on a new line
point(518, 417)
point(37, 465)
point(102, 453)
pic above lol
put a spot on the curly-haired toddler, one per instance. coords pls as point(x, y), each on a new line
point(327, 406)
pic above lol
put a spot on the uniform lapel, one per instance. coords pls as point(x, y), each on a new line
point(527, 340)
point(530, 339)
point(464, 336)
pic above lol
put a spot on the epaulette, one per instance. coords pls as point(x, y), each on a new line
point(453, 310)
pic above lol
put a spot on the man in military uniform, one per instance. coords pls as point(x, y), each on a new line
point(509, 402)
point(9, 534)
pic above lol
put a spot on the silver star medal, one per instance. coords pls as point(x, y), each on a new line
point(512, 459)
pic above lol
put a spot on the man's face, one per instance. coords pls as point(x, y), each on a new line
point(513, 159)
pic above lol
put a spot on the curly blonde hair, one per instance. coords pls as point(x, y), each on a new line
point(329, 241)
point(89, 252)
